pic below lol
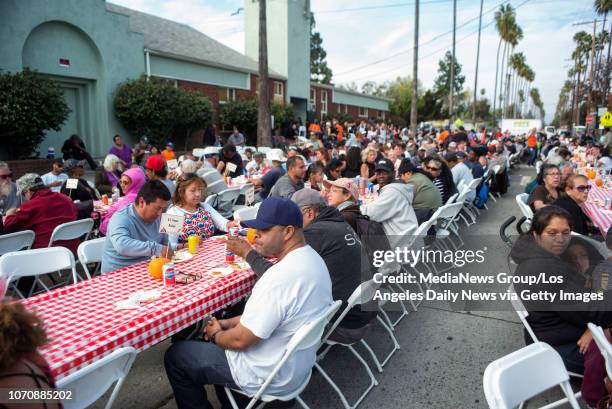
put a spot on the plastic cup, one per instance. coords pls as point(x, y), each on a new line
point(250, 236)
point(193, 242)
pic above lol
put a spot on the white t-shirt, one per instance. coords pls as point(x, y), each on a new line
point(290, 294)
point(49, 178)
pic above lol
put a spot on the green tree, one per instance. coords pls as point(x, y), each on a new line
point(319, 71)
point(242, 114)
point(155, 107)
point(30, 104)
point(442, 82)
point(283, 115)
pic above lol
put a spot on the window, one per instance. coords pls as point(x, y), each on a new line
point(226, 94)
point(363, 112)
point(313, 98)
point(278, 91)
point(323, 102)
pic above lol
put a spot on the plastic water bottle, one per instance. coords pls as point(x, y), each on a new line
point(115, 195)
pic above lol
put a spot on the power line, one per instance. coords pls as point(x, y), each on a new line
point(427, 42)
point(378, 7)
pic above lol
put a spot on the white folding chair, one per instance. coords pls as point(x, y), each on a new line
point(469, 208)
point(226, 200)
point(91, 382)
point(603, 344)
point(522, 313)
point(305, 337)
point(246, 213)
point(71, 231)
point(263, 149)
point(21, 240)
point(198, 152)
point(90, 251)
point(243, 189)
point(35, 263)
point(494, 171)
point(446, 217)
point(523, 374)
point(521, 201)
point(364, 293)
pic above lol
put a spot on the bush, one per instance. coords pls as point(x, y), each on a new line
point(30, 104)
point(158, 109)
point(242, 114)
point(283, 115)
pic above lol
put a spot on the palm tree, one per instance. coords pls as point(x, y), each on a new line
point(537, 101)
point(477, 59)
point(264, 129)
point(415, 71)
point(602, 7)
point(514, 36)
point(504, 18)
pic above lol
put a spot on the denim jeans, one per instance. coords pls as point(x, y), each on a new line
point(572, 358)
point(532, 156)
point(192, 364)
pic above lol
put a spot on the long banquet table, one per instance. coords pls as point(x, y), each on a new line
point(601, 217)
point(84, 325)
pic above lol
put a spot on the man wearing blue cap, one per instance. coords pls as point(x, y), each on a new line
point(244, 350)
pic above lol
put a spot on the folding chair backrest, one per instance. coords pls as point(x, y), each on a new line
point(210, 199)
point(263, 149)
point(245, 187)
point(363, 294)
point(16, 241)
point(522, 312)
point(452, 198)
point(516, 377)
point(474, 183)
point(425, 226)
point(305, 337)
point(521, 200)
point(603, 344)
point(91, 251)
point(246, 213)
point(91, 382)
point(198, 152)
point(463, 192)
point(71, 230)
point(36, 262)
point(448, 211)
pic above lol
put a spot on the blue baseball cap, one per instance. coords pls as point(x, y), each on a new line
point(276, 211)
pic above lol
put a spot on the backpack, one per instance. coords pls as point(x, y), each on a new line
point(482, 196)
point(372, 235)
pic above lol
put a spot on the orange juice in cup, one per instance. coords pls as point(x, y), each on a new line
point(250, 236)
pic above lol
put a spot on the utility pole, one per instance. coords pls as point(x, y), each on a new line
point(415, 72)
point(476, 74)
point(264, 131)
point(452, 73)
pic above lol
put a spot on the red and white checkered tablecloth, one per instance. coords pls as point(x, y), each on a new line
point(601, 217)
point(84, 325)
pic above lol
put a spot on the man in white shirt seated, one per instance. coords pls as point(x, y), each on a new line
point(244, 350)
point(462, 174)
point(54, 179)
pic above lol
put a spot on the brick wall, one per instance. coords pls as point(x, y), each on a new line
point(21, 167)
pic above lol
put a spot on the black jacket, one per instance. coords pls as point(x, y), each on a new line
point(237, 160)
point(580, 221)
point(557, 327)
point(335, 241)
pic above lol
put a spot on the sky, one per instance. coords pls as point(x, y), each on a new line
point(359, 33)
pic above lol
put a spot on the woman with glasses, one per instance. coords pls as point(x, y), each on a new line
point(441, 176)
point(548, 189)
point(131, 181)
point(201, 219)
point(576, 193)
point(539, 256)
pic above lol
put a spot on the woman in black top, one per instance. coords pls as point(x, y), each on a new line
point(576, 193)
point(541, 252)
point(353, 163)
point(548, 189)
point(441, 176)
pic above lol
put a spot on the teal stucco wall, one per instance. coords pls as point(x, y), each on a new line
point(102, 51)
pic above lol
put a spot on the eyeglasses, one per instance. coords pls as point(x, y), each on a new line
point(187, 278)
point(552, 174)
point(432, 168)
point(124, 182)
point(8, 175)
point(583, 188)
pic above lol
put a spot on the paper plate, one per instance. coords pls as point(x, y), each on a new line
point(182, 256)
point(220, 271)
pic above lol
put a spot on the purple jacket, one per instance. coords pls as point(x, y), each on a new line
point(124, 154)
point(138, 179)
